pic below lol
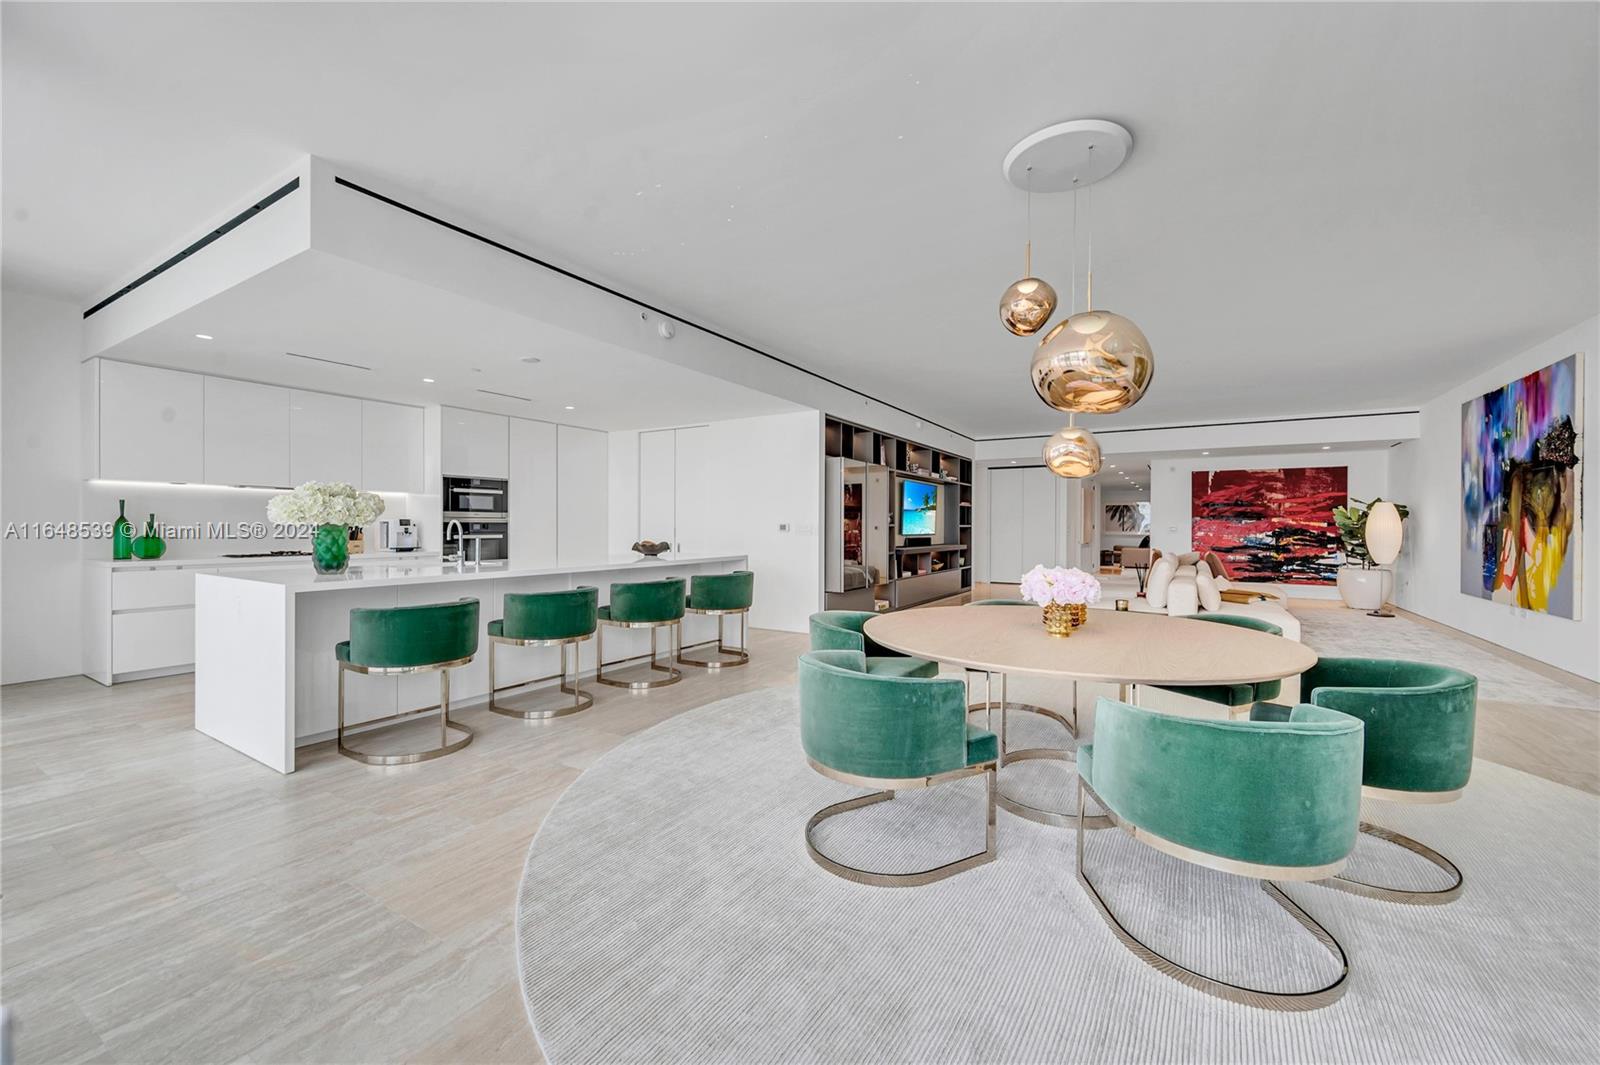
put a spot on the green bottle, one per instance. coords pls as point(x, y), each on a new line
point(122, 534)
point(150, 545)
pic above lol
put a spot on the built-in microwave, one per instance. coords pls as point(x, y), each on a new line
point(476, 498)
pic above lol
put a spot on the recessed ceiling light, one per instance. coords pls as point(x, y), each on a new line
point(569, 408)
point(1325, 447)
point(1205, 452)
point(427, 380)
point(531, 359)
point(204, 336)
point(1013, 462)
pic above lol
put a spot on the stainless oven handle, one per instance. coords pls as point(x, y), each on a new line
point(473, 515)
point(483, 536)
point(479, 491)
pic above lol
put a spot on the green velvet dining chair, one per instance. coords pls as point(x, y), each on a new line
point(566, 619)
point(844, 630)
point(722, 595)
point(868, 726)
point(401, 640)
point(1264, 799)
point(652, 605)
point(1232, 695)
point(1421, 720)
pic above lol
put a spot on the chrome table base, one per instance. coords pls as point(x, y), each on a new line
point(1016, 807)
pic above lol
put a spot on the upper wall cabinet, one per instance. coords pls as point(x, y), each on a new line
point(325, 440)
point(247, 433)
point(475, 444)
point(152, 424)
point(391, 448)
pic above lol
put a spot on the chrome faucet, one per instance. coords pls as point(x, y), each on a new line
point(461, 548)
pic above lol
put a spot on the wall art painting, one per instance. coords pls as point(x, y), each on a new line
point(1271, 525)
point(1521, 491)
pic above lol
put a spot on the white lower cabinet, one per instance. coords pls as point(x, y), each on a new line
point(139, 621)
point(152, 639)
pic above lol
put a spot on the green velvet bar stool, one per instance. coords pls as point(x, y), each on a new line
point(988, 705)
point(1234, 696)
point(1269, 800)
point(1421, 720)
point(843, 630)
point(545, 619)
point(890, 732)
point(720, 595)
point(649, 605)
point(393, 641)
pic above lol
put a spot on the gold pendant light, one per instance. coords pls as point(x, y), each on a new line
point(1072, 452)
point(1095, 362)
point(1028, 304)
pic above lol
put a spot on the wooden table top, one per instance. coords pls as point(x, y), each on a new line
point(1114, 646)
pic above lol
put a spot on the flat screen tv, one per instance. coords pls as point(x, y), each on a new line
point(919, 508)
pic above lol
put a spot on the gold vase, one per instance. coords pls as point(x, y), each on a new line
point(1058, 619)
point(1078, 613)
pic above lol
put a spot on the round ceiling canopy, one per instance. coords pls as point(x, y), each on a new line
point(1087, 149)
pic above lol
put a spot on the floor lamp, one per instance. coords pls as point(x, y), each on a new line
point(1383, 534)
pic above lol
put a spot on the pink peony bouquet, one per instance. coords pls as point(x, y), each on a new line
point(1059, 586)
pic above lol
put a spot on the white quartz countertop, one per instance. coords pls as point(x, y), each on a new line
point(365, 558)
point(303, 578)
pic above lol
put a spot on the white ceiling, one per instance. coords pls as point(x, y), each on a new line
point(321, 305)
point(1327, 207)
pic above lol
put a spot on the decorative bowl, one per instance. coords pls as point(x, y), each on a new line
point(651, 548)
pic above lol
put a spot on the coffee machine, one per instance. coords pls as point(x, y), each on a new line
point(407, 535)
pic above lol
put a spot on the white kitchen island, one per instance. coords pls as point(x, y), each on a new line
point(266, 680)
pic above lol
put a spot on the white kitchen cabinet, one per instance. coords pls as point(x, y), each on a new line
point(475, 444)
point(1024, 522)
point(247, 433)
point(658, 476)
point(152, 423)
point(325, 440)
point(391, 447)
point(693, 482)
point(581, 494)
point(532, 486)
point(152, 639)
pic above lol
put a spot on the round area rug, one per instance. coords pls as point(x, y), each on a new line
point(669, 912)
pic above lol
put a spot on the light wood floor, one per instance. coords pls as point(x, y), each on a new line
point(165, 898)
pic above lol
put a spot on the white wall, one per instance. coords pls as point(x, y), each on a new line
point(1426, 475)
point(1171, 497)
point(42, 468)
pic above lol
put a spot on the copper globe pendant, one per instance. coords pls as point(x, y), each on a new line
point(1095, 362)
point(1072, 452)
point(1027, 305)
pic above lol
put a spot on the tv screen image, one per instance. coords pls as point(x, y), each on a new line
point(919, 508)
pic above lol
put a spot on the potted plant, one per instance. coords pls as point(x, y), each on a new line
point(333, 509)
point(1361, 583)
point(1065, 595)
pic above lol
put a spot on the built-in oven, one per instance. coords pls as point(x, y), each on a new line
point(476, 498)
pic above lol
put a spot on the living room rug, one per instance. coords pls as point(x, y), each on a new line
point(668, 911)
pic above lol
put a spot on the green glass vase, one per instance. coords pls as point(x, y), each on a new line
point(122, 534)
point(150, 545)
point(330, 549)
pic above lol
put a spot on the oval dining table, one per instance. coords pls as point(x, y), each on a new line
point(1121, 647)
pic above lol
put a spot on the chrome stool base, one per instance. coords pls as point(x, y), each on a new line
point(673, 676)
point(920, 876)
point(736, 656)
point(1282, 1001)
point(446, 745)
point(581, 700)
point(1405, 896)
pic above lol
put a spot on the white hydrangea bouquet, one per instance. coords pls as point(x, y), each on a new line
point(333, 508)
point(1065, 595)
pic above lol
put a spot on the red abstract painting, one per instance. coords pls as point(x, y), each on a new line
point(1271, 525)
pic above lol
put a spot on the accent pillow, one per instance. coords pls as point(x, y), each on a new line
point(1155, 585)
point(1206, 585)
point(1217, 568)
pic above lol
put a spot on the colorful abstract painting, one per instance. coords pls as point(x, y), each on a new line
point(1521, 491)
point(1271, 525)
